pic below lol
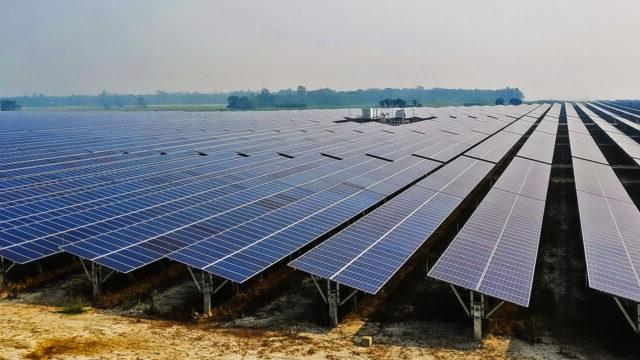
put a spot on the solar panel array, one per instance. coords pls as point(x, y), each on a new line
point(234, 193)
point(127, 190)
point(495, 252)
point(368, 253)
point(609, 221)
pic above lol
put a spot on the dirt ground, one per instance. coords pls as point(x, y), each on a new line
point(34, 327)
point(37, 331)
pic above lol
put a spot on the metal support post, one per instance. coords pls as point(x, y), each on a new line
point(2, 273)
point(638, 317)
point(96, 279)
point(207, 293)
point(333, 298)
point(478, 312)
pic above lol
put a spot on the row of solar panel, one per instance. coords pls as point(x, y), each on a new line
point(609, 220)
point(495, 252)
point(368, 253)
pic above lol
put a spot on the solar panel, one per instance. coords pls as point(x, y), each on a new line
point(131, 205)
point(627, 122)
point(124, 192)
point(496, 147)
point(525, 177)
point(598, 179)
point(548, 127)
point(610, 233)
point(540, 147)
point(442, 151)
point(450, 179)
point(519, 127)
point(627, 144)
point(283, 241)
point(610, 228)
point(367, 254)
point(220, 212)
point(496, 250)
point(230, 217)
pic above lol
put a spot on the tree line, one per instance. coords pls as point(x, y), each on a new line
point(299, 97)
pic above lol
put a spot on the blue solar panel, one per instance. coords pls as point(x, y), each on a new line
point(307, 222)
point(495, 252)
point(611, 233)
point(496, 147)
point(610, 227)
point(356, 256)
point(540, 147)
point(114, 188)
point(227, 211)
point(105, 219)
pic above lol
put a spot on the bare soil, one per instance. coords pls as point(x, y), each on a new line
point(287, 326)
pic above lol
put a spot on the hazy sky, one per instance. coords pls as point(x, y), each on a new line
point(550, 49)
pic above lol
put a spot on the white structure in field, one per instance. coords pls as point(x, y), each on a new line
point(371, 113)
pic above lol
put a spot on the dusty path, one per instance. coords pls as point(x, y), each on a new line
point(37, 331)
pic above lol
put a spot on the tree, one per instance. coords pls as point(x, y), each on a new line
point(246, 103)
point(105, 100)
point(233, 102)
point(515, 101)
point(499, 101)
point(9, 105)
point(391, 103)
point(265, 99)
point(301, 91)
point(415, 103)
point(239, 102)
point(140, 101)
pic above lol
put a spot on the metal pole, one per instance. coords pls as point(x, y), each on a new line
point(638, 313)
point(333, 296)
point(207, 292)
point(477, 309)
point(2, 273)
point(96, 280)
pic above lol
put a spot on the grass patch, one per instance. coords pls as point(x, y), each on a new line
point(75, 307)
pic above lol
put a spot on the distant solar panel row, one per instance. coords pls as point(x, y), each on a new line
point(630, 120)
